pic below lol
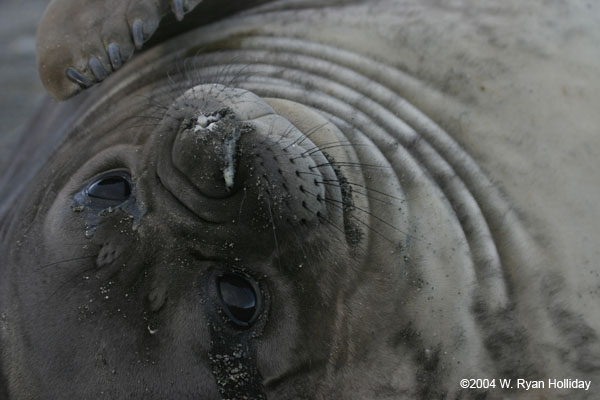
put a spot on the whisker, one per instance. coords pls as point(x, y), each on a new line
point(308, 173)
point(326, 146)
point(305, 136)
point(355, 191)
point(269, 132)
point(274, 230)
point(365, 187)
point(343, 205)
point(239, 73)
point(348, 164)
point(152, 101)
point(44, 266)
point(354, 207)
point(330, 224)
point(286, 133)
point(272, 130)
point(242, 204)
point(312, 131)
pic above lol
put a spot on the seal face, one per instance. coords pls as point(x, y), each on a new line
point(185, 232)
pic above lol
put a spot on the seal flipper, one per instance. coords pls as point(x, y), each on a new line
point(80, 43)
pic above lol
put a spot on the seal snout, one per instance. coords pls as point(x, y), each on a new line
point(229, 157)
point(203, 148)
point(206, 152)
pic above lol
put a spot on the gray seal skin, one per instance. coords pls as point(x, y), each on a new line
point(334, 199)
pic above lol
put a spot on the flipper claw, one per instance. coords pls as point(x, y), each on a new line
point(178, 9)
point(78, 78)
point(114, 55)
point(138, 33)
point(97, 69)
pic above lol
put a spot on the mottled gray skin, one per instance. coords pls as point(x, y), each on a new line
point(393, 177)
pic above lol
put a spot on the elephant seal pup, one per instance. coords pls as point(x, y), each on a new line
point(264, 207)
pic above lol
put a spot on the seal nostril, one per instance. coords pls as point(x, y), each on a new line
point(207, 151)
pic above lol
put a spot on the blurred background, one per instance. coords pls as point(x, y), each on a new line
point(20, 88)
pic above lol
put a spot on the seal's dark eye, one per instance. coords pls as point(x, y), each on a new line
point(238, 298)
point(114, 188)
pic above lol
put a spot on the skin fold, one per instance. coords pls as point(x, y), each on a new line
point(404, 191)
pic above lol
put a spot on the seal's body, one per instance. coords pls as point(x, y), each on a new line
point(338, 200)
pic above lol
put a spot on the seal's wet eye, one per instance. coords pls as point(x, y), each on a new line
point(113, 188)
point(239, 299)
